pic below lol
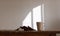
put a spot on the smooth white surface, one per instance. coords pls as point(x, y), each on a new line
point(51, 15)
point(13, 12)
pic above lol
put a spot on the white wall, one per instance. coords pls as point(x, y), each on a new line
point(58, 13)
point(13, 12)
point(51, 19)
point(52, 15)
point(49, 13)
